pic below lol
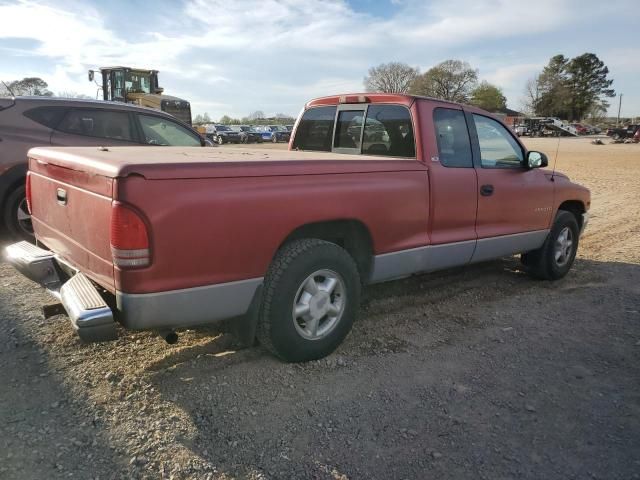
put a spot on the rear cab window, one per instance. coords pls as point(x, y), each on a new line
point(369, 129)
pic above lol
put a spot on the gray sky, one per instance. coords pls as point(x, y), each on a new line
point(236, 56)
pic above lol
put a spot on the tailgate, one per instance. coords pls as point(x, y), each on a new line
point(71, 214)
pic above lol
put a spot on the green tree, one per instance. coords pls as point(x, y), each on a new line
point(225, 119)
point(34, 86)
point(571, 88)
point(488, 97)
point(451, 80)
point(587, 83)
point(553, 99)
point(206, 118)
point(392, 77)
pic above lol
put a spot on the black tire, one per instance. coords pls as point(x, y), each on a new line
point(18, 228)
point(278, 329)
point(544, 262)
point(220, 140)
point(274, 138)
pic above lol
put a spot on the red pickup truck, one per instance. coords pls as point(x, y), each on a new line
point(374, 187)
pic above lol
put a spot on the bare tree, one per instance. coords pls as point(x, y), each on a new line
point(531, 96)
point(452, 80)
point(72, 94)
point(392, 77)
point(257, 115)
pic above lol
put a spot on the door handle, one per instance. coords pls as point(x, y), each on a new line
point(61, 196)
point(486, 190)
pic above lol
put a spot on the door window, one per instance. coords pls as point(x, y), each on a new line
point(388, 131)
point(161, 131)
point(315, 129)
point(97, 123)
point(498, 148)
point(452, 136)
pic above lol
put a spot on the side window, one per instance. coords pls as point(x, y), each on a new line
point(454, 146)
point(161, 131)
point(47, 116)
point(388, 131)
point(315, 129)
point(97, 123)
point(349, 129)
point(498, 149)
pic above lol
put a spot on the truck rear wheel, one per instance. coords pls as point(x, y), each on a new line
point(16, 215)
point(554, 259)
point(310, 300)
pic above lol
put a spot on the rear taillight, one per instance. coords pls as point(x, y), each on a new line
point(27, 192)
point(129, 239)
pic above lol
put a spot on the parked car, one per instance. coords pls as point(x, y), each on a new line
point(289, 128)
point(618, 133)
point(274, 133)
point(224, 134)
point(580, 129)
point(249, 135)
point(26, 122)
point(284, 241)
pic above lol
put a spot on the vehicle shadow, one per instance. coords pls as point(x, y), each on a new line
point(377, 408)
point(47, 428)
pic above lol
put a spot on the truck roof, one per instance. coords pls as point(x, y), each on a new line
point(398, 98)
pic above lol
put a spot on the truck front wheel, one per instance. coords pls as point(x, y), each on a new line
point(310, 300)
point(554, 259)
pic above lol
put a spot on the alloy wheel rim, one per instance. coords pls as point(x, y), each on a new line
point(319, 304)
point(24, 218)
point(563, 247)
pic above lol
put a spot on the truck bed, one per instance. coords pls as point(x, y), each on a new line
point(198, 162)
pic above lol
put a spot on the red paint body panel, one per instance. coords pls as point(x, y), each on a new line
point(79, 230)
point(219, 215)
point(454, 191)
point(221, 230)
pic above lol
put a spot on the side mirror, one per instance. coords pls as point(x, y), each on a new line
point(91, 75)
point(537, 160)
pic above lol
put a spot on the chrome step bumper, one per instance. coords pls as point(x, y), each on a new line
point(90, 316)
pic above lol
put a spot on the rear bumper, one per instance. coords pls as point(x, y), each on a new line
point(93, 318)
point(90, 315)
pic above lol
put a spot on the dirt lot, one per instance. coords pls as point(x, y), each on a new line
point(477, 373)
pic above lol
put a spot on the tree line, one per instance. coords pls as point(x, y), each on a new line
point(566, 88)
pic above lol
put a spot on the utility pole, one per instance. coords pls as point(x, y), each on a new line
point(619, 108)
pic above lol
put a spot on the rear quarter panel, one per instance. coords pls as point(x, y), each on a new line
point(209, 231)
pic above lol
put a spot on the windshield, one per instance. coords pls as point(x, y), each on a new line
point(222, 128)
point(278, 128)
point(138, 83)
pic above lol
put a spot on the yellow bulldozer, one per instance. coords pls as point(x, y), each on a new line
point(139, 86)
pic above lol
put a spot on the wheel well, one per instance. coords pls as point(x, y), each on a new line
point(352, 235)
point(574, 206)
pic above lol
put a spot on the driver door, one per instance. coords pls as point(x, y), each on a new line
point(512, 199)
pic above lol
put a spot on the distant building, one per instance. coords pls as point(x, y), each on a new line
point(510, 117)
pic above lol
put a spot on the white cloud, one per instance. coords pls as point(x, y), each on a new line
point(237, 56)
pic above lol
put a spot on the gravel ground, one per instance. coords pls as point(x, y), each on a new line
point(471, 373)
